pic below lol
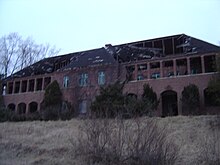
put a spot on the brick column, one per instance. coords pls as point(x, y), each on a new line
point(174, 67)
point(188, 66)
point(20, 86)
point(161, 69)
point(35, 84)
point(135, 72)
point(148, 69)
point(203, 64)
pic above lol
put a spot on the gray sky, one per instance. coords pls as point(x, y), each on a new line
point(77, 25)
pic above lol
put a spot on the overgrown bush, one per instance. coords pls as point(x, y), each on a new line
point(124, 142)
point(52, 102)
point(213, 92)
point(190, 100)
point(112, 102)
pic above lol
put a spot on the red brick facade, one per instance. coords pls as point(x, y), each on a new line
point(164, 74)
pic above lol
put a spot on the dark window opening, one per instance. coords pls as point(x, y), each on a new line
point(148, 44)
point(17, 87)
point(11, 107)
point(195, 65)
point(10, 88)
point(169, 103)
point(31, 85)
point(155, 65)
point(168, 46)
point(140, 77)
point(24, 86)
point(130, 73)
point(168, 64)
point(47, 81)
point(39, 84)
point(210, 64)
point(178, 41)
point(181, 67)
point(21, 108)
point(33, 107)
point(158, 44)
point(211, 98)
point(66, 81)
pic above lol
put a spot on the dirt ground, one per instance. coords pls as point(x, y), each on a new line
point(49, 143)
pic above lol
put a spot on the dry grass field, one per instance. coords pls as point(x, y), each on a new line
point(41, 142)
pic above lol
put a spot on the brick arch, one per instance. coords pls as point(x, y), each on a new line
point(32, 107)
point(21, 109)
point(169, 103)
point(11, 106)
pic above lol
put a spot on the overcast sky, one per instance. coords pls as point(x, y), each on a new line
point(77, 25)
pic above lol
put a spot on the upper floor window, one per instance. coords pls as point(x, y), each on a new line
point(83, 79)
point(101, 78)
point(66, 81)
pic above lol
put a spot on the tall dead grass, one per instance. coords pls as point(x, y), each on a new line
point(122, 142)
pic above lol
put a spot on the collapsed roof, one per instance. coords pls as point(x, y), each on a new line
point(141, 50)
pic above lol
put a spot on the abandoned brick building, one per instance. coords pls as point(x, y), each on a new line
point(167, 64)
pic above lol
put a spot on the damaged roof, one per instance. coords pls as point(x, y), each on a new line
point(141, 50)
point(161, 47)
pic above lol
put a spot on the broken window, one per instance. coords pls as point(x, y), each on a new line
point(210, 64)
point(66, 81)
point(10, 87)
point(155, 75)
point(47, 81)
point(142, 67)
point(17, 87)
point(101, 78)
point(39, 84)
point(24, 86)
point(31, 85)
point(140, 77)
point(83, 79)
point(168, 44)
point(83, 107)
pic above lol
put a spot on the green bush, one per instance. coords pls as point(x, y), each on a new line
point(213, 93)
point(190, 100)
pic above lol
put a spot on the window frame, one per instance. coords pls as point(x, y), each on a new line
point(101, 78)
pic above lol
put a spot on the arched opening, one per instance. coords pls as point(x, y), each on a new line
point(21, 108)
point(11, 107)
point(33, 107)
point(132, 95)
point(169, 103)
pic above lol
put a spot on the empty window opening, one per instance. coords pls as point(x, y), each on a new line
point(66, 81)
point(21, 108)
point(168, 64)
point(10, 87)
point(168, 46)
point(101, 78)
point(39, 84)
point(195, 65)
point(33, 107)
point(31, 85)
point(181, 66)
point(24, 86)
point(17, 87)
point(155, 65)
point(210, 64)
point(83, 79)
point(178, 41)
point(148, 44)
point(158, 44)
point(47, 81)
point(11, 107)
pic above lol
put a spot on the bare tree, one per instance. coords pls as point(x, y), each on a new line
point(17, 53)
